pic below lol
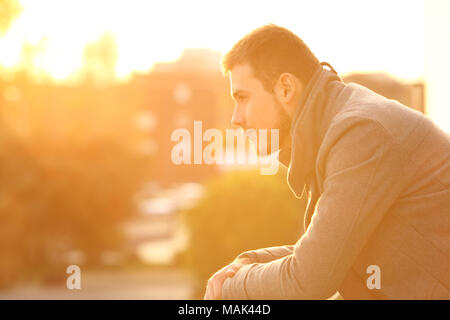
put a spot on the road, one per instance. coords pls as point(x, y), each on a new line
point(156, 284)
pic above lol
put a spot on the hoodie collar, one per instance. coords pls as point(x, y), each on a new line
point(309, 124)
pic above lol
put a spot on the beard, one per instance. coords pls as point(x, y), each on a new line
point(283, 125)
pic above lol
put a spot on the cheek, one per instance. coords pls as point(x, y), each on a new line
point(262, 113)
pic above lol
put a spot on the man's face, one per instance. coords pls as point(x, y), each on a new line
point(256, 108)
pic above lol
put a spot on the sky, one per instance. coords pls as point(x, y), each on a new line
point(382, 35)
point(406, 38)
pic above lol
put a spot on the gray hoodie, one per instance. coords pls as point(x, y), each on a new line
point(377, 176)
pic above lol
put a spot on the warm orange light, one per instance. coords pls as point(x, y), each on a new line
point(382, 35)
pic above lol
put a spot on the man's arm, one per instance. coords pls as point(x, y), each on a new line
point(215, 282)
point(362, 180)
point(267, 254)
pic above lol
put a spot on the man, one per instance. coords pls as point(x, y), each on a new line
point(377, 176)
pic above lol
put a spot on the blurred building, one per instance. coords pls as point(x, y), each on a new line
point(411, 95)
point(176, 94)
point(193, 60)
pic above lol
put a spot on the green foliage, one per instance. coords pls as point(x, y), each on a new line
point(241, 211)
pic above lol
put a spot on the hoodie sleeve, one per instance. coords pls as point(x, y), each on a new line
point(363, 170)
point(267, 254)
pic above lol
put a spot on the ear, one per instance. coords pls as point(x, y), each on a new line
point(286, 87)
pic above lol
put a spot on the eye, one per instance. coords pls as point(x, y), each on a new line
point(241, 98)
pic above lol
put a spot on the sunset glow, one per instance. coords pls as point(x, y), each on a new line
point(354, 36)
point(146, 33)
point(224, 150)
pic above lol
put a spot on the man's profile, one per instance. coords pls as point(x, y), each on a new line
point(376, 174)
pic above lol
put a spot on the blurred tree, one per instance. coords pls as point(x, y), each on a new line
point(100, 59)
point(67, 179)
point(63, 199)
point(9, 10)
point(240, 211)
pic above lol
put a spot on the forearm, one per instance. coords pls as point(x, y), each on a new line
point(267, 254)
point(263, 281)
point(287, 277)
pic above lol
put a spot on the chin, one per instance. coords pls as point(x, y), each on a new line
point(254, 145)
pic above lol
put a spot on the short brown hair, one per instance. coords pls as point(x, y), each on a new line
point(271, 50)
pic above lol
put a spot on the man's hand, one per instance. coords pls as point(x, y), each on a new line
point(215, 283)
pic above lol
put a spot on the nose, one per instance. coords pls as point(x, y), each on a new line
point(238, 119)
